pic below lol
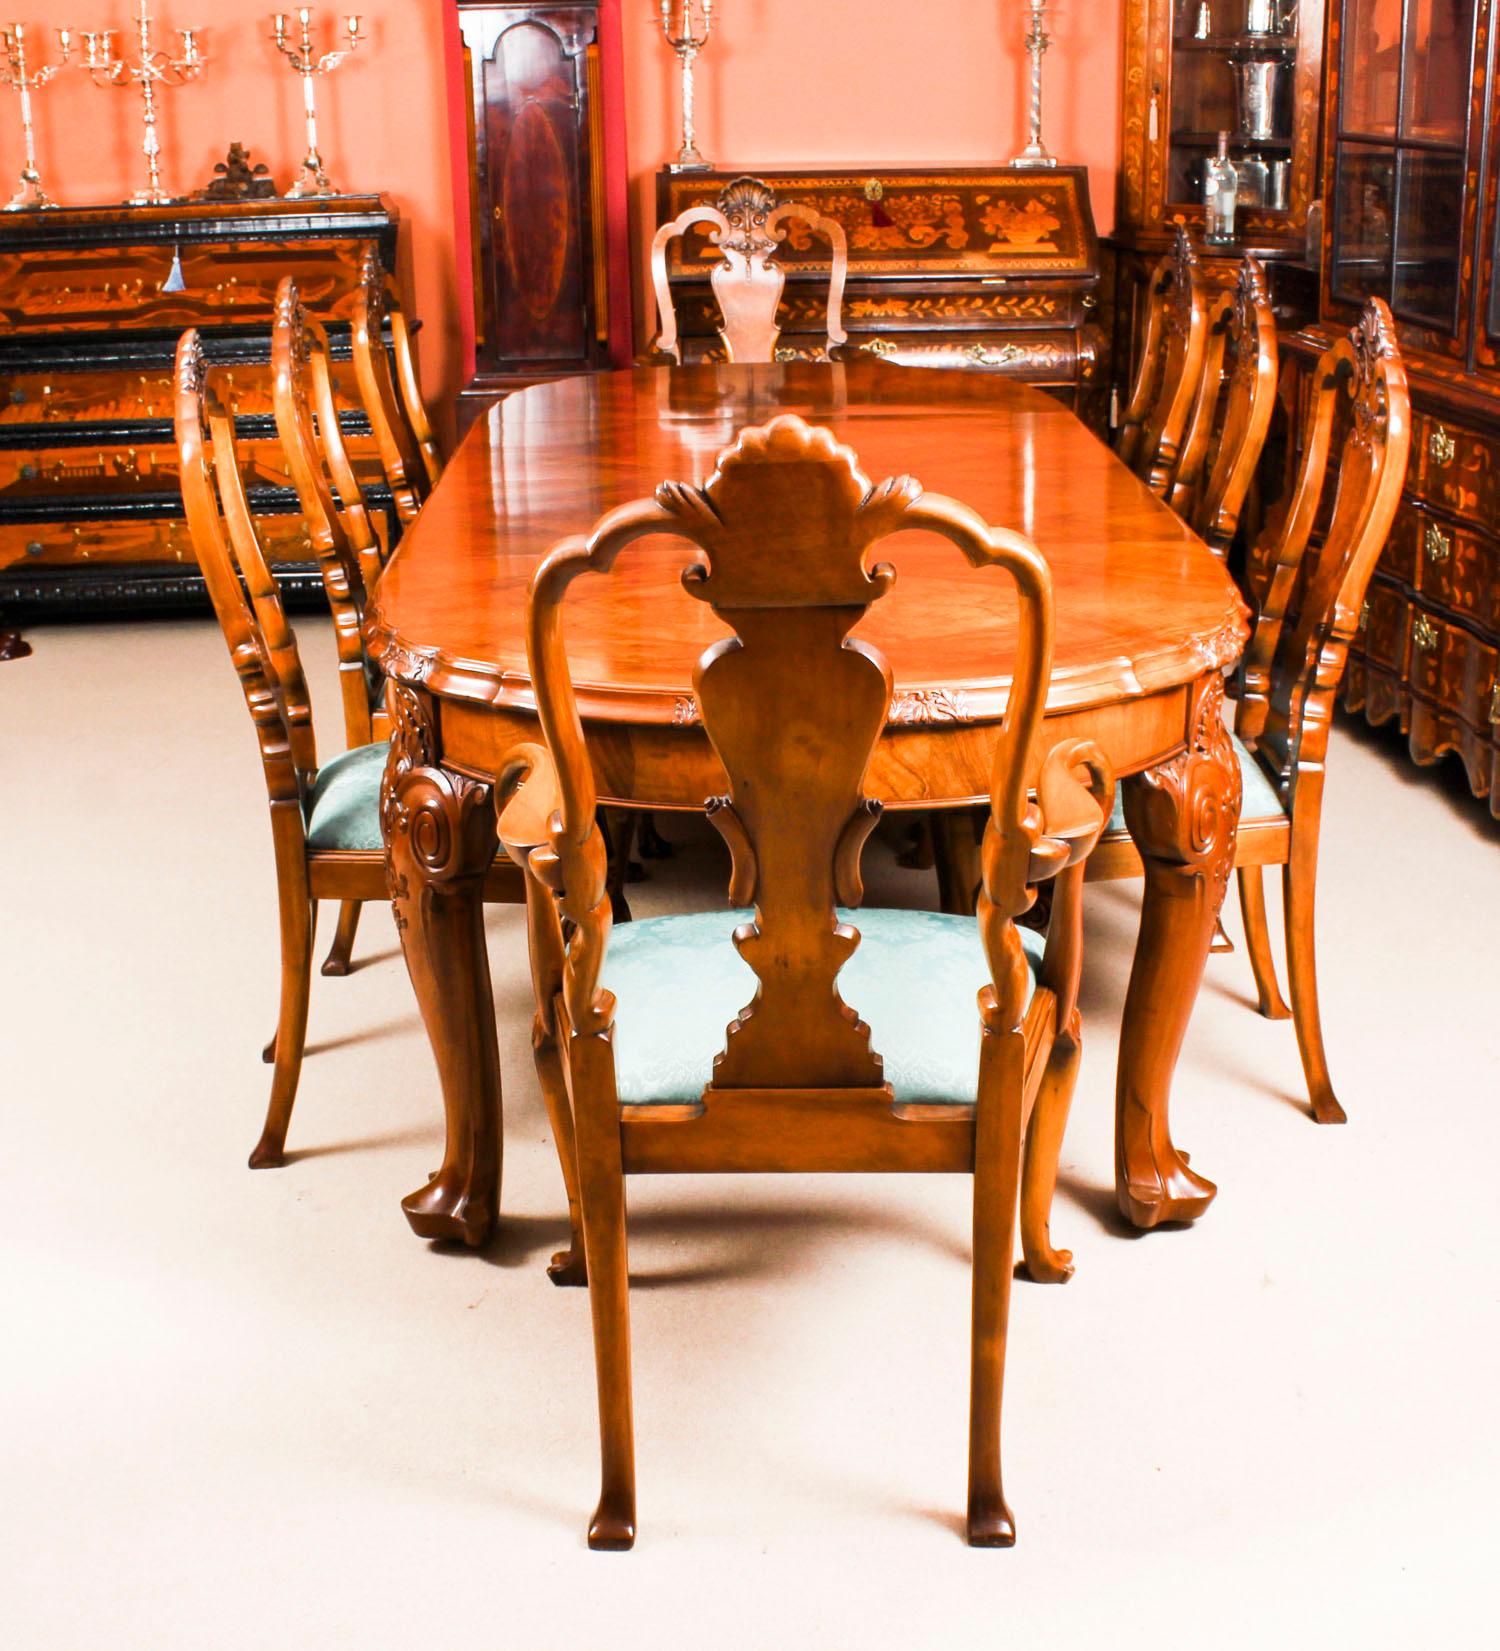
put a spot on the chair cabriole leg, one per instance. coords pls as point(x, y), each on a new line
point(1258, 942)
point(997, 1169)
point(1044, 1139)
point(1299, 887)
point(298, 919)
point(337, 961)
point(602, 1189)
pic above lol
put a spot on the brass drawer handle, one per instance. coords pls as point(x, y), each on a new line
point(982, 354)
point(1424, 633)
point(874, 189)
point(879, 346)
point(1437, 544)
point(1440, 446)
point(785, 354)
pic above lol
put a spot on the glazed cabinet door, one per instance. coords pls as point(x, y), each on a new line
point(532, 158)
point(1404, 134)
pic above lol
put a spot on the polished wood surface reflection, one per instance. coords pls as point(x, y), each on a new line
point(1146, 621)
point(1139, 605)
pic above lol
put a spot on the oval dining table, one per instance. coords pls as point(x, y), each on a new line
point(1146, 621)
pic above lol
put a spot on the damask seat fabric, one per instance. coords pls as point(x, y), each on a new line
point(914, 979)
point(344, 809)
point(1260, 800)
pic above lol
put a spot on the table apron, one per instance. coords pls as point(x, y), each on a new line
point(915, 766)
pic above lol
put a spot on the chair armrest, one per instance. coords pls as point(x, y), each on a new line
point(1075, 797)
point(527, 795)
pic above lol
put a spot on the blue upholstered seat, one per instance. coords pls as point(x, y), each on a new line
point(344, 809)
point(1260, 800)
point(914, 979)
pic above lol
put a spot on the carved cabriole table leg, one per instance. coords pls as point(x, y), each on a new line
point(1183, 817)
point(439, 830)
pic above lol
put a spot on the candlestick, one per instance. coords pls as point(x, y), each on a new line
point(152, 68)
point(305, 60)
point(1036, 152)
point(16, 75)
point(690, 36)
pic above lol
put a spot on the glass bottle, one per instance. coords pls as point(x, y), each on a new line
point(1220, 187)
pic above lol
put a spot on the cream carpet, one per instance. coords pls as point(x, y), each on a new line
point(251, 1410)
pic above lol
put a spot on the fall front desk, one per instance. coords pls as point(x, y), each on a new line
point(994, 269)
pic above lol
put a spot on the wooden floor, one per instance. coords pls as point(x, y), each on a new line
point(242, 1410)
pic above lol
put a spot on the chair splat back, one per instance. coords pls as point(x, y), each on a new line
point(303, 385)
point(410, 391)
point(746, 227)
point(1293, 665)
point(1147, 382)
point(783, 530)
point(1249, 330)
point(1184, 321)
point(240, 583)
point(400, 455)
point(343, 540)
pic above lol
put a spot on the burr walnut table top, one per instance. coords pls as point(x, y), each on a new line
point(1142, 605)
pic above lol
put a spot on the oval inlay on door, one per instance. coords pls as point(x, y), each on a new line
point(534, 193)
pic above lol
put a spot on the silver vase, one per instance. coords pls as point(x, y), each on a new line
point(1257, 81)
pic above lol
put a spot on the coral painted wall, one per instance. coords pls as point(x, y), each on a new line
point(781, 82)
point(881, 81)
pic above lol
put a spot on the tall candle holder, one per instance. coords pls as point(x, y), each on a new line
point(695, 20)
point(308, 64)
point(152, 68)
point(1038, 40)
point(16, 75)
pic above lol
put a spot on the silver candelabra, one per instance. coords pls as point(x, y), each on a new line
point(152, 68)
point(306, 61)
point(20, 79)
point(1038, 40)
point(687, 37)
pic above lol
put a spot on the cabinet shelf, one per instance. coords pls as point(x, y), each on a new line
point(1237, 140)
point(1280, 47)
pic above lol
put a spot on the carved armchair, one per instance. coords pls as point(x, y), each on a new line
point(746, 227)
point(765, 1062)
point(325, 821)
point(1231, 410)
point(1167, 375)
point(1290, 672)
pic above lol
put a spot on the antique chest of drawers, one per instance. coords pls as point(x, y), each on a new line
point(994, 269)
point(90, 313)
point(1427, 652)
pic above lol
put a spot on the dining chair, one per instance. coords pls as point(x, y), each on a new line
point(723, 1041)
point(325, 821)
point(1231, 410)
point(1290, 672)
point(746, 227)
point(1170, 365)
point(411, 470)
point(339, 529)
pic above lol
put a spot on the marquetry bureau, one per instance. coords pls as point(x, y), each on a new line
point(90, 510)
point(995, 269)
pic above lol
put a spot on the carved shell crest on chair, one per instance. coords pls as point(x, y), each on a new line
point(1252, 298)
point(746, 204)
point(372, 280)
point(1374, 340)
point(1184, 270)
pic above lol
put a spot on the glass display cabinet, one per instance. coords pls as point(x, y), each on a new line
point(1194, 68)
point(1410, 169)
